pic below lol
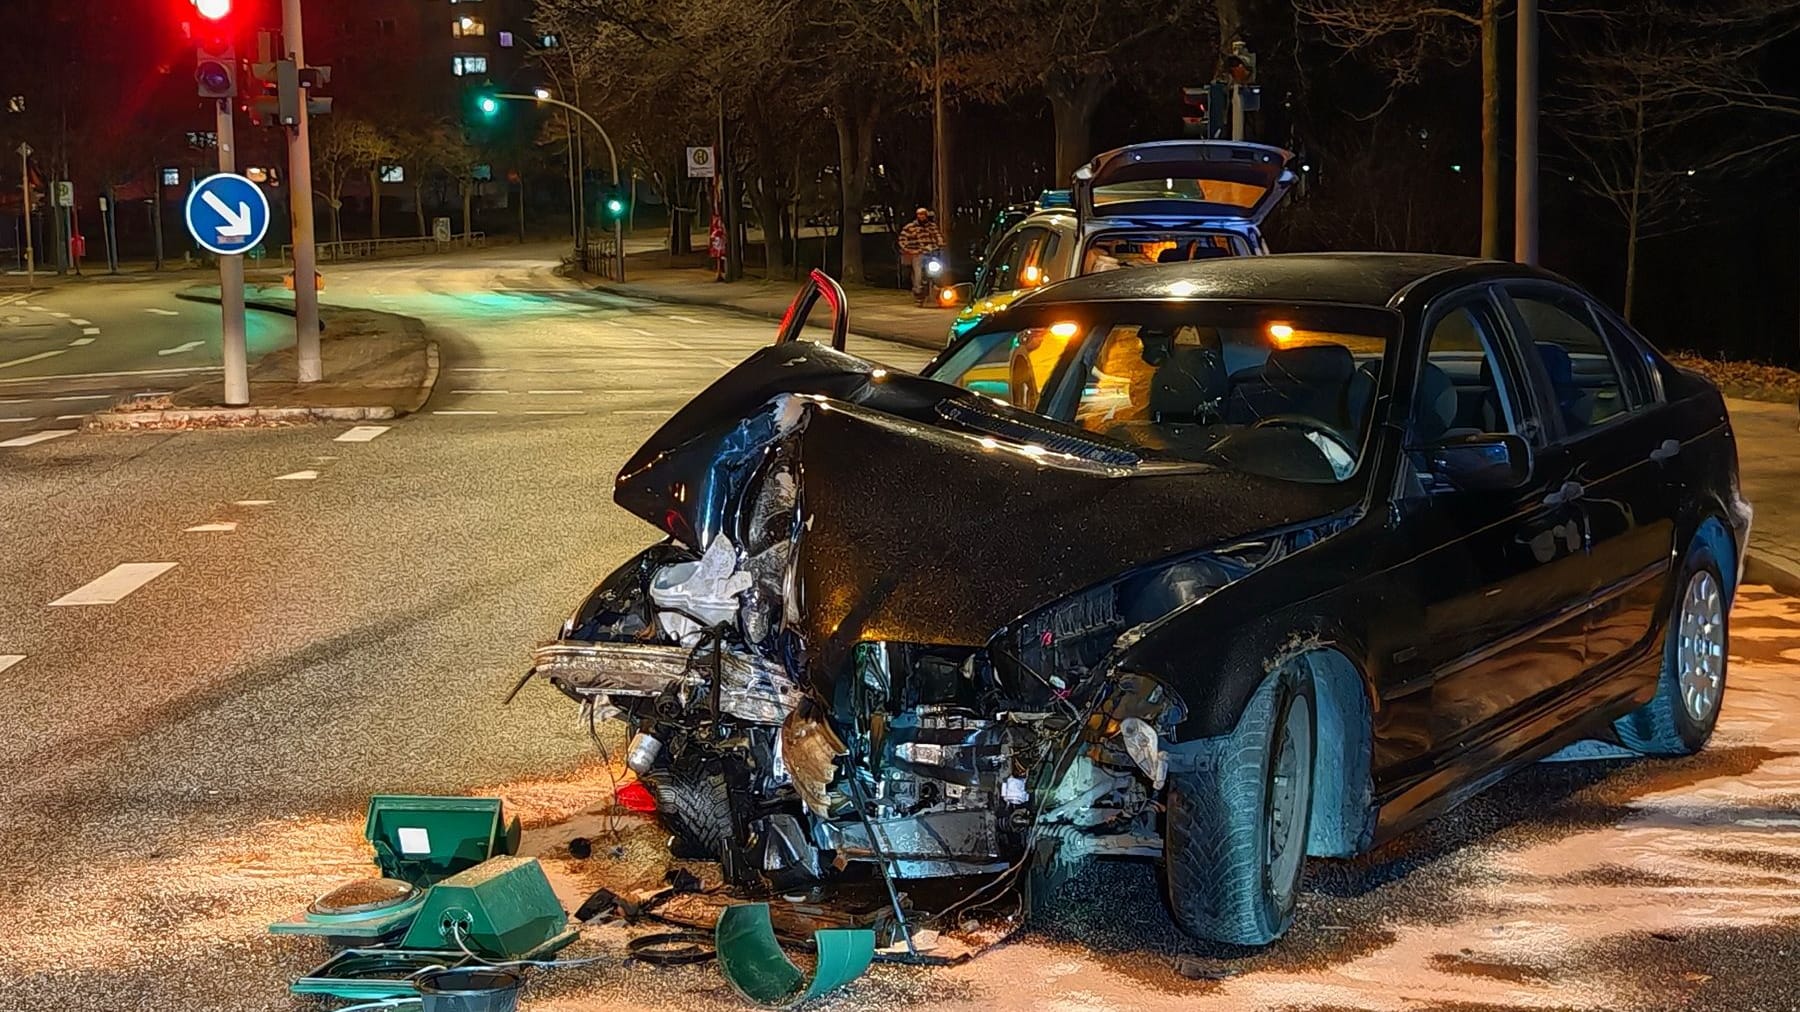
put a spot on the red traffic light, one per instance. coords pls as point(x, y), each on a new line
point(213, 10)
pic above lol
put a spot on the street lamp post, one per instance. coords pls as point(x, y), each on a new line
point(25, 185)
point(612, 154)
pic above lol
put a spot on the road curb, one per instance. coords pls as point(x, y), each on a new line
point(627, 290)
point(1783, 576)
point(169, 418)
point(261, 305)
point(429, 383)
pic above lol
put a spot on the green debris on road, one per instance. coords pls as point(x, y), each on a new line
point(753, 963)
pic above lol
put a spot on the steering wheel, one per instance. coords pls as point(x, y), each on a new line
point(1341, 454)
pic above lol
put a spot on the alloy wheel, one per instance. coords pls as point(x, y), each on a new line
point(1700, 648)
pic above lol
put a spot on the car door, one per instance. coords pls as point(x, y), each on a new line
point(1611, 422)
point(1491, 593)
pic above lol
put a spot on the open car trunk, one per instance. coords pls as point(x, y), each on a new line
point(1228, 180)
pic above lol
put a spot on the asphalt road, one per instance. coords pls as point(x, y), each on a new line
point(190, 761)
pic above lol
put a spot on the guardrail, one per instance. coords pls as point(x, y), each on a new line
point(601, 256)
point(364, 249)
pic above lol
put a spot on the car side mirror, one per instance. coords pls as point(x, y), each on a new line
point(957, 295)
point(1486, 461)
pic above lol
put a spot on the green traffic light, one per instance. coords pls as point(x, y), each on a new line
point(489, 105)
point(615, 206)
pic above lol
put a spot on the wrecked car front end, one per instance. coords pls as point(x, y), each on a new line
point(892, 623)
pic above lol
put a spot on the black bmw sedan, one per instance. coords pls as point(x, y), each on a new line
point(1223, 565)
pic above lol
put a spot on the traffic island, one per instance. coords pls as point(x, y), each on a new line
point(377, 366)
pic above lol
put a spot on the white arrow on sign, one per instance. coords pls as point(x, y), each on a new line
point(237, 226)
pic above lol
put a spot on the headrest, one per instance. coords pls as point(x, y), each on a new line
point(1191, 383)
point(1172, 255)
point(1557, 364)
point(1434, 404)
point(1310, 365)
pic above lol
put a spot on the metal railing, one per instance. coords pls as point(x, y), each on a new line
point(601, 256)
point(366, 249)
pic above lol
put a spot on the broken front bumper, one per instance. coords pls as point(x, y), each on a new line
point(750, 688)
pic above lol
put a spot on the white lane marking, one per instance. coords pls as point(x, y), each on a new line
point(687, 319)
point(163, 312)
point(37, 309)
point(558, 393)
point(307, 475)
point(19, 400)
point(465, 412)
point(60, 316)
point(68, 418)
point(39, 437)
point(32, 419)
point(153, 393)
point(475, 368)
point(564, 411)
point(178, 349)
point(640, 331)
point(116, 585)
point(8, 660)
point(643, 411)
point(254, 502)
point(82, 323)
point(40, 356)
point(84, 397)
point(80, 341)
point(362, 434)
point(90, 331)
point(481, 391)
point(221, 527)
point(110, 375)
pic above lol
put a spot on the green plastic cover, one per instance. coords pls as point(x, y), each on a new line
point(753, 963)
point(422, 839)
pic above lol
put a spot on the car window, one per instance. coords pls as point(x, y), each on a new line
point(1280, 390)
point(1461, 388)
point(1012, 366)
point(1146, 249)
point(1585, 384)
point(1030, 266)
point(997, 276)
point(1634, 365)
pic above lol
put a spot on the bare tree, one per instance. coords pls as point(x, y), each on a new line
point(1666, 103)
point(342, 146)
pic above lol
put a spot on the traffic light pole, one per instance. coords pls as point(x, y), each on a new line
point(612, 153)
point(231, 280)
point(300, 191)
point(25, 182)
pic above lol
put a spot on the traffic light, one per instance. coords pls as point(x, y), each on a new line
point(215, 65)
point(487, 105)
point(1206, 110)
point(280, 87)
point(614, 203)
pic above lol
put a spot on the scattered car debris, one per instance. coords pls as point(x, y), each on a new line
point(755, 966)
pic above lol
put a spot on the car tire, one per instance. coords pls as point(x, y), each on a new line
point(1691, 686)
point(1237, 825)
point(692, 804)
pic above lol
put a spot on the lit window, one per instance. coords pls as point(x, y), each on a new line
point(463, 64)
point(468, 26)
point(506, 40)
point(550, 41)
point(482, 173)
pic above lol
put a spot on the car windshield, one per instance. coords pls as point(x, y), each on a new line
point(1281, 389)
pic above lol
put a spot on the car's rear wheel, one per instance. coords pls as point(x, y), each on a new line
point(1691, 686)
point(1237, 826)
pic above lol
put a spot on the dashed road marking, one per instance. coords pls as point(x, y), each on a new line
point(110, 375)
point(82, 323)
point(37, 309)
point(38, 437)
point(19, 400)
point(80, 341)
point(254, 502)
point(8, 660)
point(557, 393)
point(687, 319)
point(33, 419)
point(83, 397)
point(221, 527)
point(60, 316)
point(90, 331)
point(641, 332)
point(362, 434)
point(163, 312)
point(307, 475)
point(643, 411)
point(483, 392)
point(118, 583)
point(40, 356)
point(561, 411)
point(465, 412)
point(178, 349)
point(68, 418)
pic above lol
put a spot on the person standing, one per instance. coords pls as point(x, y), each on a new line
point(918, 241)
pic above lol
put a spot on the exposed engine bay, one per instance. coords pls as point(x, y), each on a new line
point(917, 761)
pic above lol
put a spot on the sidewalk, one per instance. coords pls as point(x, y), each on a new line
point(885, 314)
point(1768, 443)
point(376, 366)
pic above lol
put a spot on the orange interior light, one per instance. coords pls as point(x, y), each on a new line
point(1281, 332)
point(1032, 274)
point(1065, 329)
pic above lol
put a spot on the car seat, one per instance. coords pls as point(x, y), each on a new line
point(1311, 380)
point(1577, 405)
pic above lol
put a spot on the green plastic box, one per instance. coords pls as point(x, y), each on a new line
point(422, 839)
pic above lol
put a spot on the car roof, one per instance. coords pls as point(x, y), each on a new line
point(1371, 279)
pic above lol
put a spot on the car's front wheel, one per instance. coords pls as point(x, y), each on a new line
point(1237, 824)
point(1691, 686)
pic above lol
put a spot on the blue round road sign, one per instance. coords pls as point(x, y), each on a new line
point(227, 214)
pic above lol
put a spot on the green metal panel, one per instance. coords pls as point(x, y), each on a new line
point(504, 906)
point(752, 960)
point(423, 839)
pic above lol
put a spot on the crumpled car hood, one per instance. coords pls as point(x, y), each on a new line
point(920, 528)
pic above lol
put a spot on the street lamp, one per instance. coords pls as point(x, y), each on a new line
point(542, 93)
point(612, 153)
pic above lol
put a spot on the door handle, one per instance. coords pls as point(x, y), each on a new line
point(1665, 452)
point(1568, 493)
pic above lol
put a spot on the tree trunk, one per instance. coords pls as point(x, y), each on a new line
point(855, 118)
point(1490, 129)
point(767, 192)
point(1231, 23)
point(1072, 103)
point(375, 202)
point(468, 198)
point(419, 206)
point(1634, 213)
